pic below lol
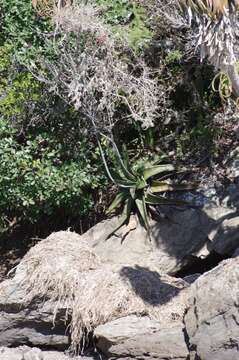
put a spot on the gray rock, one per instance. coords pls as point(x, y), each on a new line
point(191, 278)
point(225, 238)
point(212, 320)
point(231, 196)
point(27, 353)
point(22, 322)
point(141, 338)
point(236, 253)
point(233, 164)
point(172, 242)
point(222, 236)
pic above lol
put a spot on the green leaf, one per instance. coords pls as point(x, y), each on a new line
point(141, 183)
point(162, 186)
point(122, 181)
point(158, 169)
point(153, 199)
point(141, 206)
point(124, 217)
point(118, 200)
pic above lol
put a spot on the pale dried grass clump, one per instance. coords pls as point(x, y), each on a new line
point(64, 270)
point(78, 19)
point(52, 268)
point(112, 292)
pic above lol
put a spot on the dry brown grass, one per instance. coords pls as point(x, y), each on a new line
point(64, 269)
point(46, 8)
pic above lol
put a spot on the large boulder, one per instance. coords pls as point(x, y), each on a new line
point(236, 253)
point(28, 300)
point(23, 322)
point(212, 320)
point(27, 353)
point(132, 337)
point(174, 242)
point(224, 239)
point(62, 285)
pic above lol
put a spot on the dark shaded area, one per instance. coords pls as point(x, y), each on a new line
point(183, 232)
point(149, 285)
point(200, 266)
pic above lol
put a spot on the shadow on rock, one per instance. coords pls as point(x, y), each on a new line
point(150, 286)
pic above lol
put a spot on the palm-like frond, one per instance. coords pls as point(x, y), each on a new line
point(212, 8)
point(218, 23)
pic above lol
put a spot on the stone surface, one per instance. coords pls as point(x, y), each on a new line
point(236, 253)
point(172, 242)
point(141, 338)
point(22, 322)
point(212, 320)
point(225, 238)
point(27, 353)
point(233, 164)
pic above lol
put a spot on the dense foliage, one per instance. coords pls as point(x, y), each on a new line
point(41, 176)
point(143, 66)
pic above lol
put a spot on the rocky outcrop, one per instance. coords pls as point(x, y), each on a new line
point(225, 238)
point(196, 316)
point(212, 320)
point(142, 338)
point(173, 240)
point(236, 253)
point(210, 330)
point(31, 303)
point(27, 353)
point(23, 322)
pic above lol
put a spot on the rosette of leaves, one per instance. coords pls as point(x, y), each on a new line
point(141, 185)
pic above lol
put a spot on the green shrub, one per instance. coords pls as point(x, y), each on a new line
point(22, 28)
point(38, 178)
point(18, 89)
point(128, 21)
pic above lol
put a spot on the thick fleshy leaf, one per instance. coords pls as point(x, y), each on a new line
point(153, 199)
point(125, 156)
point(124, 166)
point(141, 206)
point(121, 180)
point(155, 161)
point(158, 169)
point(127, 174)
point(141, 183)
point(124, 217)
point(163, 186)
point(118, 200)
point(132, 191)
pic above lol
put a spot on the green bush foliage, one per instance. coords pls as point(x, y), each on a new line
point(129, 21)
point(38, 178)
point(22, 28)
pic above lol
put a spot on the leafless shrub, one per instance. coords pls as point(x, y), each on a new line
point(92, 71)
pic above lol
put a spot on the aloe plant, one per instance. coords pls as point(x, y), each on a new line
point(141, 185)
